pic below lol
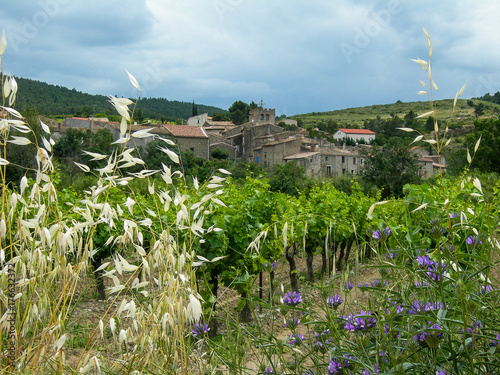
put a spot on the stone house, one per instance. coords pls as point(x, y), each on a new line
point(336, 162)
point(189, 137)
point(244, 137)
point(431, 164)
point(310, 161)
point(198, 120)
point(273, 153)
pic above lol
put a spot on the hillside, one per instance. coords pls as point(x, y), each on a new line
point(55, 101)
point(355, 117)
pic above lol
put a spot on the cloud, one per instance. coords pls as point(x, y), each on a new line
point(296, 56)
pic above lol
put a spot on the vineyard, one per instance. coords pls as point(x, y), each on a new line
point(153, 250)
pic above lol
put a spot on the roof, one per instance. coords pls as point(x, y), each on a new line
point(357, 131)
point(301, 155)
point(186, 131)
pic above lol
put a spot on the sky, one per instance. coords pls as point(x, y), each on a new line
point(292, 55)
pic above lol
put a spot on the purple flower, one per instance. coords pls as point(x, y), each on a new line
point(292, 323)
point(486, 289)
point(322, 340)
point(334, 301)
point(417, 307)
point(268, 371)
point(431, 335)
point(292, 298)
point(375, 371)
point(474, 329)
point(361, 322)
point(295, 339)
point(347, 286)
point(424, 261)
point(378, 284)
point(393, 255)
point(376, 234)
point(338, 365)
point(308, 372)
point(200, 329)
point(442, 372)
point(471, 240)
point(434, 269)
point(496, 342)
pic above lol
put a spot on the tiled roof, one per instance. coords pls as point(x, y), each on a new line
point(356, 131)
point(186, 131)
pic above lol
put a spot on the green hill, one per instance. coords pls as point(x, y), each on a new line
point(57, 101)
point(359, 117)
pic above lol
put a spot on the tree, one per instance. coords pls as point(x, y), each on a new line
point(238, 112)
point(219, 154)
point(288, 178)
point(478, 108)
point(486, 157)
point(390, 167)
point(219, 117)
point(195, 109)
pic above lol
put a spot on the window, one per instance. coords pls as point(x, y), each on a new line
point(352, 171)
point(267, 117)
point(328, 170)
point(326, 158)
point(343, 171)
point(353, 160)
point(191, 148)
point(343, 159)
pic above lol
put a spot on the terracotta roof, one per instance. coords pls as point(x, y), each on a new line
point(186, 131)
point(426, 160)
point(356, 131)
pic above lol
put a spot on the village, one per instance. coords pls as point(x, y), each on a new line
point(261, 140)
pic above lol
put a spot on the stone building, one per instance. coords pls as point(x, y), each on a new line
point(273, 153)
point(191, 138)
point(244, 137)
point(262, 115)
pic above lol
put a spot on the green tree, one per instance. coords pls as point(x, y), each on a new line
point(390, 167)
point(219, 154)
point(486, 157)
point(288, 178)
point(238, 112)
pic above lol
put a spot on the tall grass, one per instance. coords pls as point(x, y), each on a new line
point(49, 240)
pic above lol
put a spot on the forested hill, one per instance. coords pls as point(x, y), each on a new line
point(54, 101)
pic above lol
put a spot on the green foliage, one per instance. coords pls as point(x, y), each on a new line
point(486, 157)
point(390, 167)
point(52, 100)
point(287, 178)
